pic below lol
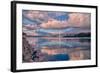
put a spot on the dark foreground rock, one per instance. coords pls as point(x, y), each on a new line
point(27, 50)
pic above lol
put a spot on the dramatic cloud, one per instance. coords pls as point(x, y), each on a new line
point(37, 16)
point(57, 19)
point(54, 24)
point(74, 20)
point(45, 16)
point(79, 19)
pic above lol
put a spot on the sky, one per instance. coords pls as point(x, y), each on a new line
point(52, 19)
point(49, 20)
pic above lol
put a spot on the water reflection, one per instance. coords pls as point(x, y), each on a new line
point(61, 49)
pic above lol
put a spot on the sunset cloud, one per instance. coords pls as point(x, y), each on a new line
point(75, 20)
point(54, 24)
point(50, 19)
point(35, 14)
point(38, 16)
point(79, 19)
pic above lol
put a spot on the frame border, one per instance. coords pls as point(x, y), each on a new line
point(13, 35)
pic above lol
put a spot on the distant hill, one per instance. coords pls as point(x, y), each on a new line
point(66, 32)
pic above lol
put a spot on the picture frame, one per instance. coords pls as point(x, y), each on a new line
point(59, 36)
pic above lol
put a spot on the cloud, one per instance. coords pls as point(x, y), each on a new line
point(40, 16)
point(54, 24)
point(45, 15)
point(35, 14)
point(74, 20)
point(79, 19)
point(58, 19)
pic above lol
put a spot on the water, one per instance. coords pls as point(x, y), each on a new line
point(62, 49)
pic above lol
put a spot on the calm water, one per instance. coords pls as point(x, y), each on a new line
point(61, 49)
